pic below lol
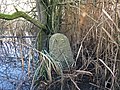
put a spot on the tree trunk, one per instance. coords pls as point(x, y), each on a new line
point(42, 37)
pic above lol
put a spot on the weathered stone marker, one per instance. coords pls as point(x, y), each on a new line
point(60, 50)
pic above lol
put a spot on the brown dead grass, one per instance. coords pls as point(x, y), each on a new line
point(93, 31)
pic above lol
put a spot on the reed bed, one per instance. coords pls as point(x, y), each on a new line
point(92, 27)
point(93, 30)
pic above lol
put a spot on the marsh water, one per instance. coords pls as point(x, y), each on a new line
point(14, 75)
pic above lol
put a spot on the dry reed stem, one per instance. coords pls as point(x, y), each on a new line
point(106, 67)
point(74, 83)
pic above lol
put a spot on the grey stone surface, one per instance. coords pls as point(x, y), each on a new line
point(60, 50)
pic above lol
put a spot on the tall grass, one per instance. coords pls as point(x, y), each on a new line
point(93, 30)
point(92, 27)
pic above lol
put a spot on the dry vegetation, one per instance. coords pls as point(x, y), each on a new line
point(93, 31)
point(18, 27)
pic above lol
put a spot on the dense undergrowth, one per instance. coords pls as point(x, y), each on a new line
point(92, 27)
